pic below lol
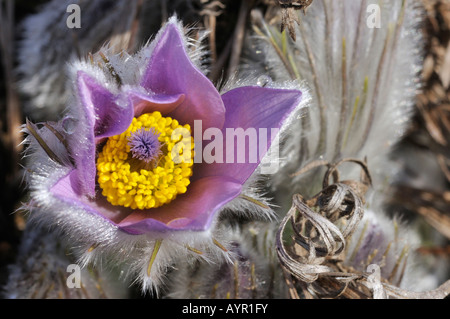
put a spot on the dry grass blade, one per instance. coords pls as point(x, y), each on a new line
point(33, 130)
point(434, 113)
point(432, 206)
point(436, 219)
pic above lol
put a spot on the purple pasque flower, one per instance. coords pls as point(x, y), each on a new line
point(122, 185)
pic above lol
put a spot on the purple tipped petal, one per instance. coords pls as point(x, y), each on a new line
point(100, 117)
point(193, 210)
point(148, 103)
point(67, 190)
point(170, 71)
point(252, 109)
point(105, 114)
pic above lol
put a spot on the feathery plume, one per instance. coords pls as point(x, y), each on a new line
point(361, 68)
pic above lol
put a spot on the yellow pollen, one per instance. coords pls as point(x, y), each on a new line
point(129, 182)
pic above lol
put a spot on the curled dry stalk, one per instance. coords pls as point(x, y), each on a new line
point(320, 228)
point(318, 241)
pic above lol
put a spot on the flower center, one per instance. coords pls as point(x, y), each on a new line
point(141, 168)
point(144, 144)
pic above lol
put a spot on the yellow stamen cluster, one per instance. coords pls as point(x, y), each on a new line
point(128, 182)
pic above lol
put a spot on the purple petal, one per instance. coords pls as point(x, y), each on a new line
point(373, 240)
point(170, 71)
point(192, 211)
point(148, 103)
point(105, 114)
point(67, 190)
point(253, 109)
point(99, 117)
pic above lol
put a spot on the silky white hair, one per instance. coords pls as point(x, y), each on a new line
point(362, 80)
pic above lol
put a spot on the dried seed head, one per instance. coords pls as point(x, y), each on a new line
point(289, 16)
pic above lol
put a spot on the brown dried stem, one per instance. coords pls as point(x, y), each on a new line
point(321, 227)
